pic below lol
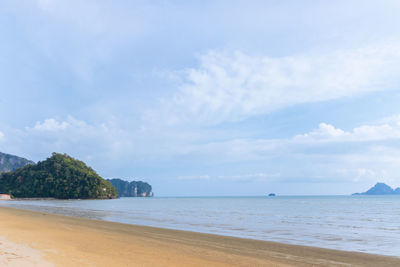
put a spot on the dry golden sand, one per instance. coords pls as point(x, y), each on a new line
point(20, 255)
point(40, 239)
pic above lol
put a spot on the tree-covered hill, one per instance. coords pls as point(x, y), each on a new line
point(10, 163)
point(132, 189)
point(59, 176)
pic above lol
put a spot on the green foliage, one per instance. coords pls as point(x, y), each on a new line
point(59, 176)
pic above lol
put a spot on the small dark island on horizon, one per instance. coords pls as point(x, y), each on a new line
point(380, 189)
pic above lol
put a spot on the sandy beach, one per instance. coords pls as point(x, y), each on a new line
point(40, 239)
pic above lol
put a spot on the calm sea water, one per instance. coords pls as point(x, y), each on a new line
point(355, 223)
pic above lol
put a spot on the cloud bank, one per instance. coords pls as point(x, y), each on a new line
point(328, 133)
point(236, 86)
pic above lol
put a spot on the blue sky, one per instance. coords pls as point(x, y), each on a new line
point(207, 97)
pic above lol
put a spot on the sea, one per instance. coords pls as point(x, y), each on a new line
point(368, 224)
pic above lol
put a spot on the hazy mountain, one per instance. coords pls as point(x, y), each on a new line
point(11, 163)
point(380, 189)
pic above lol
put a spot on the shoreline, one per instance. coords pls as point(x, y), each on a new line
point(97, 214)
point(64, 240)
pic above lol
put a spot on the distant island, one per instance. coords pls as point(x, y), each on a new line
point(380, 189)
point(9, 163)
point(131, 189)
point(59, 176)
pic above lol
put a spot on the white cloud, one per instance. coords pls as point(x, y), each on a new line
point(51, 125)
point(234, 86)
point(1, 136)
point(328, 133)
point(326, 141)
point(394, 119)
point(113, 138)
point(363, 154)
point(72, 136)
point(324, 131)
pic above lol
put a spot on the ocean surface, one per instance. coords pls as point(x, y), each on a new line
point(354, 223)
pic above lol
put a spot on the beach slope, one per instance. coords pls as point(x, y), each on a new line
point(67, 241)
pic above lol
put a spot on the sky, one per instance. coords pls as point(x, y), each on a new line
point(207, 98)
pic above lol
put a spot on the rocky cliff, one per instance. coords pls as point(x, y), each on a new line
point(131, 189)
point(10, 163)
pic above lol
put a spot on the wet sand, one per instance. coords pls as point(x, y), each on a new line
point(40, 239)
